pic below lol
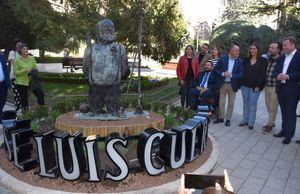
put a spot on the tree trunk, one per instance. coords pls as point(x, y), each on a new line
point(42, 53)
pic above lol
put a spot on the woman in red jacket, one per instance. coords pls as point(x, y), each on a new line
point(187, 72)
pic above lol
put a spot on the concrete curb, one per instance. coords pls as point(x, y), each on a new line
point(20, 187)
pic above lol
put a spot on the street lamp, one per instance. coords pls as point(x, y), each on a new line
point(196, 28)
point(142, 13)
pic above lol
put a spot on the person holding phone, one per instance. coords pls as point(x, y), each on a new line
point(253, 83)
point(23, 71)
point(217, 188)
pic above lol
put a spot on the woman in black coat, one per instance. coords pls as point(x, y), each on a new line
point(253, 83)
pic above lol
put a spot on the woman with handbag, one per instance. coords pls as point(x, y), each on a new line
point(23, 71)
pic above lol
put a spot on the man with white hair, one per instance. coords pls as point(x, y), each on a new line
point(104, 63)
point(230, 69)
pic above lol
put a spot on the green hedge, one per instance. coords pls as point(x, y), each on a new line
point(71, 78)
point(48, 59)
point(146, 83)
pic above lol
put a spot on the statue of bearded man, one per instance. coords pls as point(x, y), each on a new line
point(104, 63)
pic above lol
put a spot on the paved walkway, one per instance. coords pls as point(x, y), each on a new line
point(257, 163)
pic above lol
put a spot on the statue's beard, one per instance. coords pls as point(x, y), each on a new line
point(107, 38)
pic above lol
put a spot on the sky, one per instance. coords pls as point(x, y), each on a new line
point(200, 10)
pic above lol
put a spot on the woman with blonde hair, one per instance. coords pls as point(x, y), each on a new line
point(215, 55)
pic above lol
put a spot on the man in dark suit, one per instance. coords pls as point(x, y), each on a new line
point(207, 87)
point(4, 84)
point(230, 69)
point(287, 72)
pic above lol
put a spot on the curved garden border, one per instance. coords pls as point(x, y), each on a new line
point(20, 187)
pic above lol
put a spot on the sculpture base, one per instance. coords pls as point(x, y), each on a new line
point(107, 117)
point(132, 126)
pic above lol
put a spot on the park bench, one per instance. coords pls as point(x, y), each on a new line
point(72, 63)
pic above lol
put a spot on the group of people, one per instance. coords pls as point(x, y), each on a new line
point(23, 76)
point(208, 79)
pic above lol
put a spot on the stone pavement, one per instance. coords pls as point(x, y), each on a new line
point(257, 163)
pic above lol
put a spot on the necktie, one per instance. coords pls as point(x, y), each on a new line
point(204, 80)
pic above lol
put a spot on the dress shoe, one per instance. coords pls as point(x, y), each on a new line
point(280, 134)
point(242, 124)
point(286, 141)
point(219, 121)
point(267, 129)
point(250, 127)
point(227, 123)
point(194, 108)
point(265, 126)
point(298, 141)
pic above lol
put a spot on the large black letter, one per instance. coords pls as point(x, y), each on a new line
point(172, 147)
point(147, 157)
point(117, 158)
point(191, 152)
point(46, 154)
point(93, 158)
point(70, 147)
point(22, 146)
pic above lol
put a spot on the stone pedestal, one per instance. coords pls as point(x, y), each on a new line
point(132, 126)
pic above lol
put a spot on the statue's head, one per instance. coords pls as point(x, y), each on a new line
point(105, 31)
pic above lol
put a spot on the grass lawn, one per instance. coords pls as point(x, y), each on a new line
point(60, 91)
point(55, 89)
point(64, 88)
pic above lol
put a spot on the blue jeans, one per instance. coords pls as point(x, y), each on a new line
point(250, 98)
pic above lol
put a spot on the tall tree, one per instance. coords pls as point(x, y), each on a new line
point(81, 17)
point(164, 28)
point(43, 21)
point(288, 12)
point(238, 9)
point(13, 28)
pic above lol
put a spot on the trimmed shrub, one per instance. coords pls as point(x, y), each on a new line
point(63, 78)
point(72, 78)
point(242, 33)
point(48, 59)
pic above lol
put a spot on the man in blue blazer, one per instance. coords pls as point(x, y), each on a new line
point(287, 72)
point(4, 84)
point(207, 86)
point(230, 69)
